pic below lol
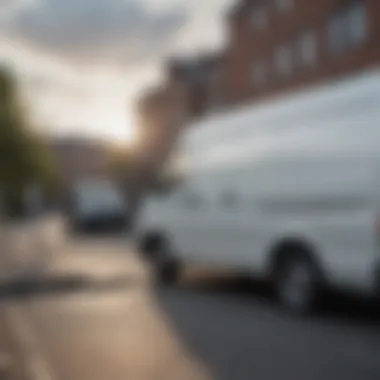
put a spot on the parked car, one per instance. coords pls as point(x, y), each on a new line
point(96, 206)
point(286, 191)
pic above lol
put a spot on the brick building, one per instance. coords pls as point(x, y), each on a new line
point(161, 111)
point(79, 158)
point(276, 46)
point(199, 83)
point(191, 89)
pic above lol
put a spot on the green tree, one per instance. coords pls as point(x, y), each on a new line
point(24, 158)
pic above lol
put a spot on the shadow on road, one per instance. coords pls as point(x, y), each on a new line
point(242, 290)
point(235, 327)
point(37, 286)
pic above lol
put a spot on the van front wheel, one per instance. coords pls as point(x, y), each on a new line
point(298, 284)
point(167, 271)
point(166, 267)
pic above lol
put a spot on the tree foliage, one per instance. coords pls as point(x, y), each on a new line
point(24, 158)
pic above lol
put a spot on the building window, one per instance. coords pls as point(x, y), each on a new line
point(336, 33)
point(283, 60)
point(214, 93)
point(259, 73)
point(348, 28)
point(357, 23)
point(284, 5)
point(259, 17)
point(307, 49)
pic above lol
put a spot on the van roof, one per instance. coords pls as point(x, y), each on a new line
point(287, 111)
point(340, 119)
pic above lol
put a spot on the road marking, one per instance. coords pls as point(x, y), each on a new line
point(37, 366)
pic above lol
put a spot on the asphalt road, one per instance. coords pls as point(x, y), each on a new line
point(86, 309)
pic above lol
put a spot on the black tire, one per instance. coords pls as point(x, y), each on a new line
point(298, 283)
point(167, 271)
point(152, 246)
point(73, 228)
point(157, 251)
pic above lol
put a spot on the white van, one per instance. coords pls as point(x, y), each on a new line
point(287, 191)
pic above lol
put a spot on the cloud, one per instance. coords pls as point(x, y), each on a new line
point(93, 30)
point(119, 45)
point(206, 26)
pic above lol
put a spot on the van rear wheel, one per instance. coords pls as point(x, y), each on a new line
point(298, 283)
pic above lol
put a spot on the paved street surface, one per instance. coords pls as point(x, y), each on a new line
point(85, 308)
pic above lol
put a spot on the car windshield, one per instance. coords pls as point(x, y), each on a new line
point(101, 195)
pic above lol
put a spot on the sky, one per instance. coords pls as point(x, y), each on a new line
point(83, 63)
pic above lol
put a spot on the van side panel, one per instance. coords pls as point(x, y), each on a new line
point(302, 167)
point(329, 204)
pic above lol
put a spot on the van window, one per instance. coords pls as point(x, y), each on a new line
point(229, 199)
point(164, 185)
point(192, 200)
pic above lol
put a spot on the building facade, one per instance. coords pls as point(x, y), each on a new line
point(197, 83)
point(190, 90)
point(79, 158)
point(276, 46)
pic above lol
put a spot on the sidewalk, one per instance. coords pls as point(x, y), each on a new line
point(12, 360)
point(24, 249)
point(12, 363)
